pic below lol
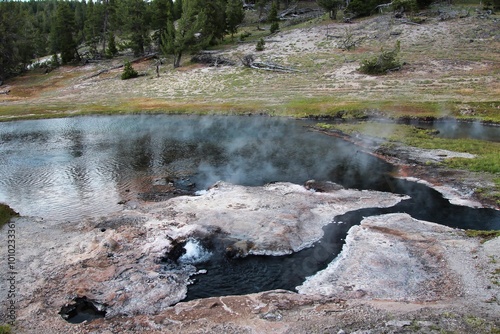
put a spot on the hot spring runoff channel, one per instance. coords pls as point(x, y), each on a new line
point(65, 169)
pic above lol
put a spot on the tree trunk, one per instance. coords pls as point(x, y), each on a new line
point(105, 27)
point(333, 14)
point(177, 59)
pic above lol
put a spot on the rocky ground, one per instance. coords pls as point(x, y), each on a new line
point(423, 165)
point(394, 275)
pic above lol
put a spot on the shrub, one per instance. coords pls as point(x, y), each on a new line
point(54, 61)
point(6, 213)
point(385, 62)
point(404, 5)
point(244, 35)
point(260, 45)
point(275, 26)
point(363, 7)
point(129, 72)
point(5, 329)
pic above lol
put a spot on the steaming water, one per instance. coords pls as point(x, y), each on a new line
point(195, 253)
point(68, 169)
point(454, 129)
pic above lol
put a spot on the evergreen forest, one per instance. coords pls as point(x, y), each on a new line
point(75, 31)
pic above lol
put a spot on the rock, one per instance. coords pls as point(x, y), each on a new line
point(391, 259)
point(412, 263)
point(275, 219)
point(272, 316)
point(110, 243)
point(238, 249)
point(322, 186)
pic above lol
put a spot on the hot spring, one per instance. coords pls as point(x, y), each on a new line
point(72, 168)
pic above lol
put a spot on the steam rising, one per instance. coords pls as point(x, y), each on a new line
point(195, 253)
point(66, 168)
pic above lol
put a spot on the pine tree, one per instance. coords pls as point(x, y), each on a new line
point(234, 15)
point(273, 18)
point(137, 26)
point(91, 27)
point(80, 9)
point(214, 12)
point(331, 6)
point(162, 12)
point(111, 50)
point(261, 5)
point(273, 13)
point(108, 13)
point(187, 35)
point(8, 35)
point(129, 72)
point(177, 9)
point(64, 28)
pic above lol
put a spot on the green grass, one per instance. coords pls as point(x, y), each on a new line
point(483, 235)
point(6, 213)
point(5, 329)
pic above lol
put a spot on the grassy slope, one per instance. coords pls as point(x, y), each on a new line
point(451, 69)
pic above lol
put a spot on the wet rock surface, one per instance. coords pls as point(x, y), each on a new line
point(394, 273)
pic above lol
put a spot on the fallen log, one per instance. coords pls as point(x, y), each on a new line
point(136, 60)
point(211, 59)
point(288, 11)
point(272, 67)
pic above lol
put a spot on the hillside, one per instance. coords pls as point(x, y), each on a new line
point(451, 68)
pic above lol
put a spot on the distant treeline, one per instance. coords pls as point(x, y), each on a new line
point(71, 30)
point(98, 28)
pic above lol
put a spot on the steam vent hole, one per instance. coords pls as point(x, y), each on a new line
point(82, 309)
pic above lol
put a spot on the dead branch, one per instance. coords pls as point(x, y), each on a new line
point(249, 61)
point(289, 10)
point(136, 60)
point(211, 59)
point(268, 66)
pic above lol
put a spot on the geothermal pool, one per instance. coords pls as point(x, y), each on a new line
point(72, 168)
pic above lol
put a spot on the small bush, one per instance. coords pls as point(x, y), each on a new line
point(404, 5)
point(5, 329)
point(386, 62)
point(244, 35)
point(54, 61)
point(129, 72)
point(6, 213)
point(275, 26)
point(260, 45)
